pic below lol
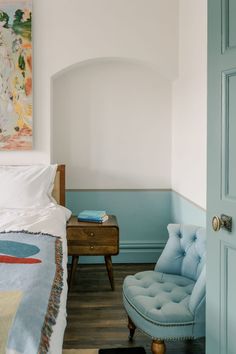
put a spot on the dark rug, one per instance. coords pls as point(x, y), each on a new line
point(137, 350)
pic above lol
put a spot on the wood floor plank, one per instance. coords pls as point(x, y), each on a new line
point(96, 316)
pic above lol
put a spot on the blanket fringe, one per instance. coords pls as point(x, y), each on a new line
point(54, 301)
point(28, 233)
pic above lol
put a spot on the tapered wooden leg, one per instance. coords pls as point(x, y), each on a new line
point(132, 328)
point(73, 271)
point(158, 347)
point(109, 270)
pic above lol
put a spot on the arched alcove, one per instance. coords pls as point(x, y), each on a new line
point(111, 125)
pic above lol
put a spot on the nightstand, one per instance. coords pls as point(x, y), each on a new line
point(92, 239)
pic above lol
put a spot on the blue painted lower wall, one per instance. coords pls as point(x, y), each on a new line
point(183, 211)
point(143, 216)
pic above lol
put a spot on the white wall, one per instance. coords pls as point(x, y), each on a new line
point(78, 30)
point(112, 125)
point(115, 113)
point(189, 110)
point(71, 32)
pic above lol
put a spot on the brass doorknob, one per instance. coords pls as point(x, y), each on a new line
point(224, 221)
point(216, 223)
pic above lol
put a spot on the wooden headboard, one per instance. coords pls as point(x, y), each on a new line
point(58, 192)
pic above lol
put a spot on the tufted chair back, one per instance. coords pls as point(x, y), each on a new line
point(185, 251)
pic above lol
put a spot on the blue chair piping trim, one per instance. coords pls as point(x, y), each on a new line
point(174, 339)
point(174, 324)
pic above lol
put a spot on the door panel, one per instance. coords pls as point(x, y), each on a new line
point(221, 171)
point(228, 24)
point(232, 23)
point(228, 291)
point(228, 134)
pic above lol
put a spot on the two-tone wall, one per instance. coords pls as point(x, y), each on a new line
point(189, 110)
point(135, 140)
point(111, 94)
point(106, 106)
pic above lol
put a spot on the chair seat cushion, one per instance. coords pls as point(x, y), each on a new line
point(160, 298)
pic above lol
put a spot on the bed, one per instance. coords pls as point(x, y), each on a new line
point(33, 259)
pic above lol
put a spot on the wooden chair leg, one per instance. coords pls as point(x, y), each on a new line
point(132, 328)
point(158, 347)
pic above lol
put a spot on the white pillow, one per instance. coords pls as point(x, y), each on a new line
point(26, 186)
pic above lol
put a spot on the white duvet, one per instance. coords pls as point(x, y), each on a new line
point(52, 220)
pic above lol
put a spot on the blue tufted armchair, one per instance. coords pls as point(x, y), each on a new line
point(168, 303)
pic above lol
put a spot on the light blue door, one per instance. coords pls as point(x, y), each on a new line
point(221, 190)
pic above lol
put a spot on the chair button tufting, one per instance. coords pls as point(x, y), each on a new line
point(184, 254)
point(175, 301)
point(146, 286)
point(167, 291)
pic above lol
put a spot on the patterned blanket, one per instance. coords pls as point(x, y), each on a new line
point(31, 283)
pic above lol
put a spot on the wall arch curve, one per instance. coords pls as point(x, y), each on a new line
point(111, 124)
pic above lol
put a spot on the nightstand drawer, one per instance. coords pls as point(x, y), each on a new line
point(93, 241)
point(101, 234)
point(92, 249)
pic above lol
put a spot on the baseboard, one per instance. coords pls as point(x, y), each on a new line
point(130, 252)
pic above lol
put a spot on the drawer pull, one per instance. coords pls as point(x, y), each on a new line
point(91, 233)
point(91, 247)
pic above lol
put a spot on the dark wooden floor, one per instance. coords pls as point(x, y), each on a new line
point(96, 317)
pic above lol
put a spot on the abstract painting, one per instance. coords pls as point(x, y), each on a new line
point(15, 75)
